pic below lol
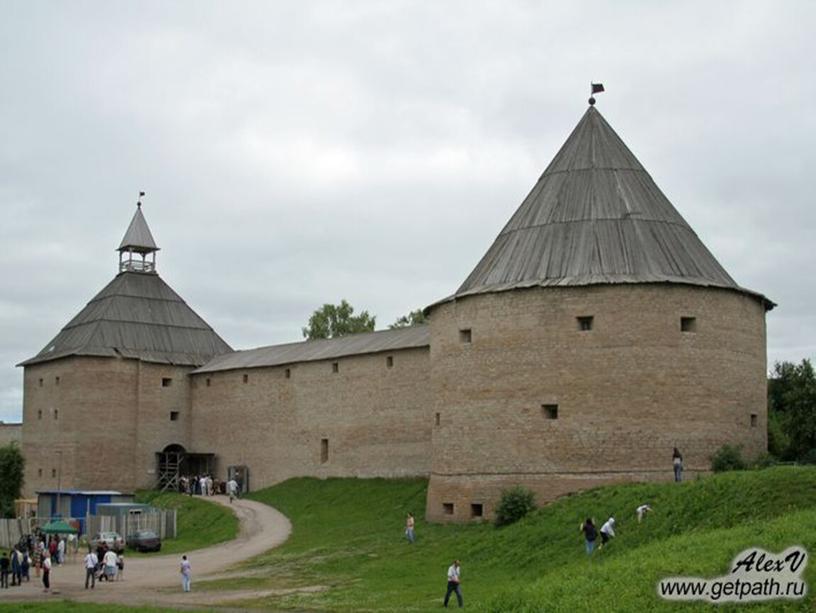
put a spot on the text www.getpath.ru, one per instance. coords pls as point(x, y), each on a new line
point(731, 590)
point(755, 575)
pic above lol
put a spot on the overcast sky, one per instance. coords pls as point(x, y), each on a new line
point(297, 153)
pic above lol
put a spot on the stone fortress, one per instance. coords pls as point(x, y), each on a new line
point(596, 334)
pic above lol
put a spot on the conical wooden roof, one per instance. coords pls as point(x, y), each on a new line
point(137, 315)
point(138, 237)
point(595, 217)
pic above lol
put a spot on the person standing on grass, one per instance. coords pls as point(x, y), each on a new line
point(186, 573)
point(4, 570)
point(409, 528)
point(454, 584)
point(46, 568)
point(590, 535)
point(91, 562)
point(607, 531)
point(677, 461)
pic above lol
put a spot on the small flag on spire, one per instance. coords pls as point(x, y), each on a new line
point(597, 88)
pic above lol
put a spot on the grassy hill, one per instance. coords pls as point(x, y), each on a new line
point(347, 547)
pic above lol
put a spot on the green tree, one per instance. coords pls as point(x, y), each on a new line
point(412, 319)
point(11, 478)
point(792, 408)
point(331, 321)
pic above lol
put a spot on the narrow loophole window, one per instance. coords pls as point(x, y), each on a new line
point(56, 380)
point(39, 472)
point(246, 378)
point(447, 508)
point(53, 472)
point(41, 382)
point(39, 413)
point(754, 420)
point(550, 411)
point(174, 415)
point(287, 373)
point(465, 336)
point(335, 366)
point(208, 382)
point(324, 450)
point(389, 361)
point(476, 509)
point(167, 382)
point(688, 324)
point(56, 413)
point(437, 419)
point(585, 322)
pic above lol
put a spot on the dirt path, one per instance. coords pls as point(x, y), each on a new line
point(261, 529)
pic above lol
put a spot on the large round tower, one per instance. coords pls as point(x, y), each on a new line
point(595, 335)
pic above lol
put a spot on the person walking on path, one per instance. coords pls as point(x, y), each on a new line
point(677, 461)
point(607, 531)
point(454, 584)
point(409, 528)
point(186, 573)
point(25, 566)
point(232, 489)
point(4, 570)
point(15, 567)
point(120, 567)
point(110, 565)
point(590, 535)
point(91, 562)
point(46, 574)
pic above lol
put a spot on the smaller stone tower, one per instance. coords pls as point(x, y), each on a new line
point(111, 390)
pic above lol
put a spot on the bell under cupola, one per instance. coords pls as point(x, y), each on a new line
point(137, 251)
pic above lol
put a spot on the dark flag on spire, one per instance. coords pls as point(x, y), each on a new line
point(597, 88)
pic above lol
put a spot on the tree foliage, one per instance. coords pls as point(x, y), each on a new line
point(792, 410)
point(728, 457)
point(412, 319)
point(11, 477)
point(515, 503)
point(331, 321)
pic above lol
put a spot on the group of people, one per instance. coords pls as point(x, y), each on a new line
point(205, 485)
point(16, 563)
point(36, 552)
point(104, 564)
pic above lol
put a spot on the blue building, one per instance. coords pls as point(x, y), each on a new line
point(75, 504)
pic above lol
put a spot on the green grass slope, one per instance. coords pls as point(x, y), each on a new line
point(347, 546)
point(201, 523)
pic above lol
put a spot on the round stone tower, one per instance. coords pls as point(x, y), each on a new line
point(595, 335)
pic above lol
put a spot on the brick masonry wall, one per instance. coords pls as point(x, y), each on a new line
point(376, 418)
point(100, 426)
point(10, 433)
point(627, 391)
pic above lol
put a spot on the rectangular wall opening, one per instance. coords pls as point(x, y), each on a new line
point(41, 382)
point(437, 418)
point(39, 413)
point(287, 373)
point(754, 420)
point(335, 366)
point(465, 336)
point(550, 411)
point(447, 508)
point(246, 378)
point(585, 322)
point(174, 415)
point(324, 450)
point(56, 380)
point(476, 509)
point(688, 324)
point(389, 361)
point(167, 382)
point(208, 382)
point(56, 413)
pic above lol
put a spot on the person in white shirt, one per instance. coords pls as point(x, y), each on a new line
point(186, 571)
point(91, 562)
point(110, 564)
point(203, 485)
point(232, 489)
point(607, 531)
point(46, 568)
point(454, 583)
point(641, 511)
point(61, 551)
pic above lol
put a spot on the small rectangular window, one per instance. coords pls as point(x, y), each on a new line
point(389, 361)
point(39, 413)
point(167, 382)
point(335, 366)
point(56, 413)
point(39, 472)
point(447, 508)
point(465, 336)
point(246, 378)
point(585, 323)
point(208, 382)
point(174, 415)
point(324, 450)
point(754, 420)
point(41, 382)
point(437, 418)
point(287, 373)
point(688, 324)
point(550, 411)
point(56, 380)
point(476, 509)
point(53, 472)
